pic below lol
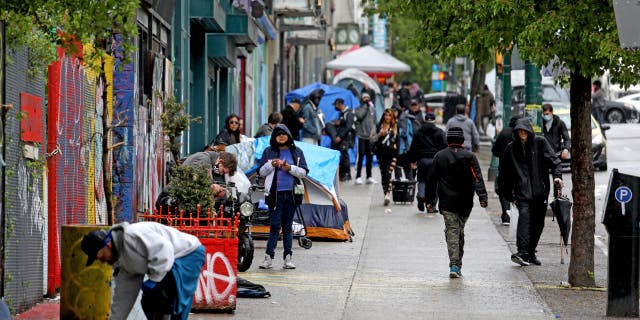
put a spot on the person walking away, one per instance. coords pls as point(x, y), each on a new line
point(598, 98)
point(229, 135)
point(426, 143)
point(455, 176)
point(404, 95)
point(502, 140)
point(284, 166)
point(314, 119)
point(342, 133)
point(292, 119)
point(366, 118)
point(172, 261)
point(555, 130)
point(267, 128)
point(486, 106)
point(524, 179)
point(386, 149)
point(405, 138)
point(471, 136)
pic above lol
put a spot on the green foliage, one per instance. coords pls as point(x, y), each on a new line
point(403, 47)
point(174, 121)
point(192, 186)
point(34, 23)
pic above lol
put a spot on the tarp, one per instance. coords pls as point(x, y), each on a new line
point(324, 213)
point(358, 75)
point(369, 59)
point(331, 93)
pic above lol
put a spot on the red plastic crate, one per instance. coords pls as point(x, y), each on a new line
point(217, 286)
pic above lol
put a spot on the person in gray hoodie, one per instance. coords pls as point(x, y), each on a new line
point(471, 136)
point(171, 259)
point(366, 121)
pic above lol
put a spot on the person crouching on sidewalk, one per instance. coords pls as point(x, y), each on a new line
point(455, 175)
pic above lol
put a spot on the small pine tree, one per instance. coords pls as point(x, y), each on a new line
point(192, 186)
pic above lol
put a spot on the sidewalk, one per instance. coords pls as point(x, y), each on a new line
point(397, 268)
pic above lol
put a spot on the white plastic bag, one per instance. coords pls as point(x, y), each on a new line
point(513, 223)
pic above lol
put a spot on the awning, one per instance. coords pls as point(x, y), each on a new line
point(209, 15)
point(221, 50)
point(369, 60)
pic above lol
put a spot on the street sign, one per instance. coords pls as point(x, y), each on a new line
point(627, 13)
point(623, 194)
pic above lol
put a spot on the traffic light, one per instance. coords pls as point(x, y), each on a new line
point(499, 61)
point(443, 75)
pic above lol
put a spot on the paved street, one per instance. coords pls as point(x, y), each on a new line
point(396, 267)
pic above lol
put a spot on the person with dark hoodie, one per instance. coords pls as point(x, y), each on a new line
point(502, 140)
point(524, 179)
point(284, 166)
point(455, 176)
point(229, 135)
point(313, 118)
point(556, 132)
point(427, 141)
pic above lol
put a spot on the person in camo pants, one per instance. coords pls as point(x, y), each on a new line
point(455, 176)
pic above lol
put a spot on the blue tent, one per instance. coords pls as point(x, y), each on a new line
point(331, 93)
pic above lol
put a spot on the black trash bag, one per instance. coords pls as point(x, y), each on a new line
point(248, 289)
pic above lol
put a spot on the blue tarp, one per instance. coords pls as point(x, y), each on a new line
point(322, 162)
point(331, 93)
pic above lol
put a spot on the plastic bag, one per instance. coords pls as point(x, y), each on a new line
point(513, 223)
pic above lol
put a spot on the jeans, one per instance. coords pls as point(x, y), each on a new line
point(345, 162)
point(364, 150)
point(531, 215)
point(424, 167)
point(281, 217)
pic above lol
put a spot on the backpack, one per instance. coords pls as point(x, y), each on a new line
point(248, 289)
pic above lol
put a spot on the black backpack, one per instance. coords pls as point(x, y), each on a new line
point(248, 289)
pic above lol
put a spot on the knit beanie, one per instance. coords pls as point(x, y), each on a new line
point(455, 136)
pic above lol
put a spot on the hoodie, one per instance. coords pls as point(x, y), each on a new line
point(298, 170)
point(471, 136)
point(525, 167)
point(504, 138)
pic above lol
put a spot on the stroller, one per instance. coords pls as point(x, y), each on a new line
point(260, 218)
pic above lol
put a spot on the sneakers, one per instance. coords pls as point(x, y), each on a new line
point(267, 263)
point(288, 264)
point(420, 204)
point(454, 272)
point(519, 259)
point(370, 180)
point(534, 260)
point(358, 180)
point(387, 199)
point(506, 220)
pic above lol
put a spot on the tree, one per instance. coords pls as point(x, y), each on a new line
point(39, 25)
point(578, 36)
point(402, 31)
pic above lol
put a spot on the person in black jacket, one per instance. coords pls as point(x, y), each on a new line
point(456, 174)
point(555, 130)
point(502, 140)
point(427, 141)
point(524, 179)
point(342, 132)
point(292, 119)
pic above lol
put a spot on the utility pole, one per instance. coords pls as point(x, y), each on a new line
point(533, 96)
point(503, 88)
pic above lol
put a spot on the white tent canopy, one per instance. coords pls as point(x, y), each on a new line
point(358, 75)
point(369, 59)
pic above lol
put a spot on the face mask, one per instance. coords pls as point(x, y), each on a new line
point(546, 117)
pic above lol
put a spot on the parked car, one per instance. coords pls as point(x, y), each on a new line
point(633, 99)
point(615, 111)
point(598, 141)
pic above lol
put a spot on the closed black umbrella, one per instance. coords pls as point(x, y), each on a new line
point(561, 207)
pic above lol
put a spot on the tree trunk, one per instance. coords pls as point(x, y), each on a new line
point(581, 267)
point(477, 79)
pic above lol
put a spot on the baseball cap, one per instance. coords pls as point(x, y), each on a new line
point(414, 101)
point(92, 242)
point(429, 116)
point(338, 100)
point(365, 95)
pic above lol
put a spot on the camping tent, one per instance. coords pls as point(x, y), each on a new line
point(331, 93)
point(369, 59)
point(324, 213)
